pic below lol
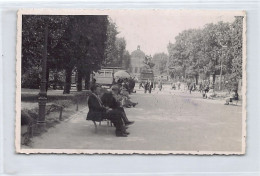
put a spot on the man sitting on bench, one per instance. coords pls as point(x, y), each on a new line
point(97, 112)
point(112, 101)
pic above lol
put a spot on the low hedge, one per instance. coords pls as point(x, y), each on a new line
point(29, 116)
point(28, 97)
point(64, 100)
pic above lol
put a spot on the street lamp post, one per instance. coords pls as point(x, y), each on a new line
point(42, 99)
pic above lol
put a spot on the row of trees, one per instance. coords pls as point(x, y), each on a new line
point(81, 43)
point(161, 63)
point(215, 49)
point(116, 54)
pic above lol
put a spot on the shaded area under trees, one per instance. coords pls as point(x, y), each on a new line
point(74, 42)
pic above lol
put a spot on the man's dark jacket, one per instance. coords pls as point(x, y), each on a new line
point(109, 100)
point(96, 111)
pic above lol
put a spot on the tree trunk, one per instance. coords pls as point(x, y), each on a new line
point(184, 72)
point(87, 81)
point(214, 78)
point(79, 81)
point(67, 86)
point(197, 79)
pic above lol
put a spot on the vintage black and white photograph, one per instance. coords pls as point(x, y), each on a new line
point(131, 81)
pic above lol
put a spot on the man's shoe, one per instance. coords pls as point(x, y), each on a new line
point(126, 132)
point(129, 123)
point(121, 134)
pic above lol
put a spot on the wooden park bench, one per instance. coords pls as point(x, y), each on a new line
point(108, 122)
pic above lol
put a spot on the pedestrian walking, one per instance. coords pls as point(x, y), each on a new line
point(173, 86)
point(205, 90)
point(140, 85)
point(150, 86)
point(190, 88)
point(131, 85)
point(188, 85)
point(179, 85)
point(160, 85)
point(146, 86)
point(200, 87)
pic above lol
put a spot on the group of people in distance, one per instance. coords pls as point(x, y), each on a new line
point(109, 104)
point(148, 85)
point(234, 96)
point(127, 83)
point(208, 92)
point(206, 88)
point(174, 85)
point(233, 87)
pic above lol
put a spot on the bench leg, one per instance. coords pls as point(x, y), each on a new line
point(60, 117)
point(95, 126)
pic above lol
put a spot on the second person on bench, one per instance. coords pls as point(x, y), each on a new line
point(98, 112)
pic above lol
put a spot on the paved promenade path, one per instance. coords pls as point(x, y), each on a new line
point(167, 120)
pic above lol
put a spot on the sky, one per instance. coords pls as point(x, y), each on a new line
point(153, 30)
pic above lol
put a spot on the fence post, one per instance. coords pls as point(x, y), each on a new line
point(77, 104)
point(61, 109)
point(30, 130)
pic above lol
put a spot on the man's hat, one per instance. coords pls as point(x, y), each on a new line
point(114, 87)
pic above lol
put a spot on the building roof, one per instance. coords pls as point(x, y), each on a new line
point(138, 53)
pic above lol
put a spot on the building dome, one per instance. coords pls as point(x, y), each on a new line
point(137, 61)
point(138, 53)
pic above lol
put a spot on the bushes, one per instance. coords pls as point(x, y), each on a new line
point(56, 79)
point(63, 103)
point(31, 78)
point(29, 97)
point(81, 97)
point(29, 116)
point(56, 104)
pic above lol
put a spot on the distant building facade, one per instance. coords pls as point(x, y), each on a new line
point(137, 62)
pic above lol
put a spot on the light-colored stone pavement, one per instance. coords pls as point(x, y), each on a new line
point(168, 120)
